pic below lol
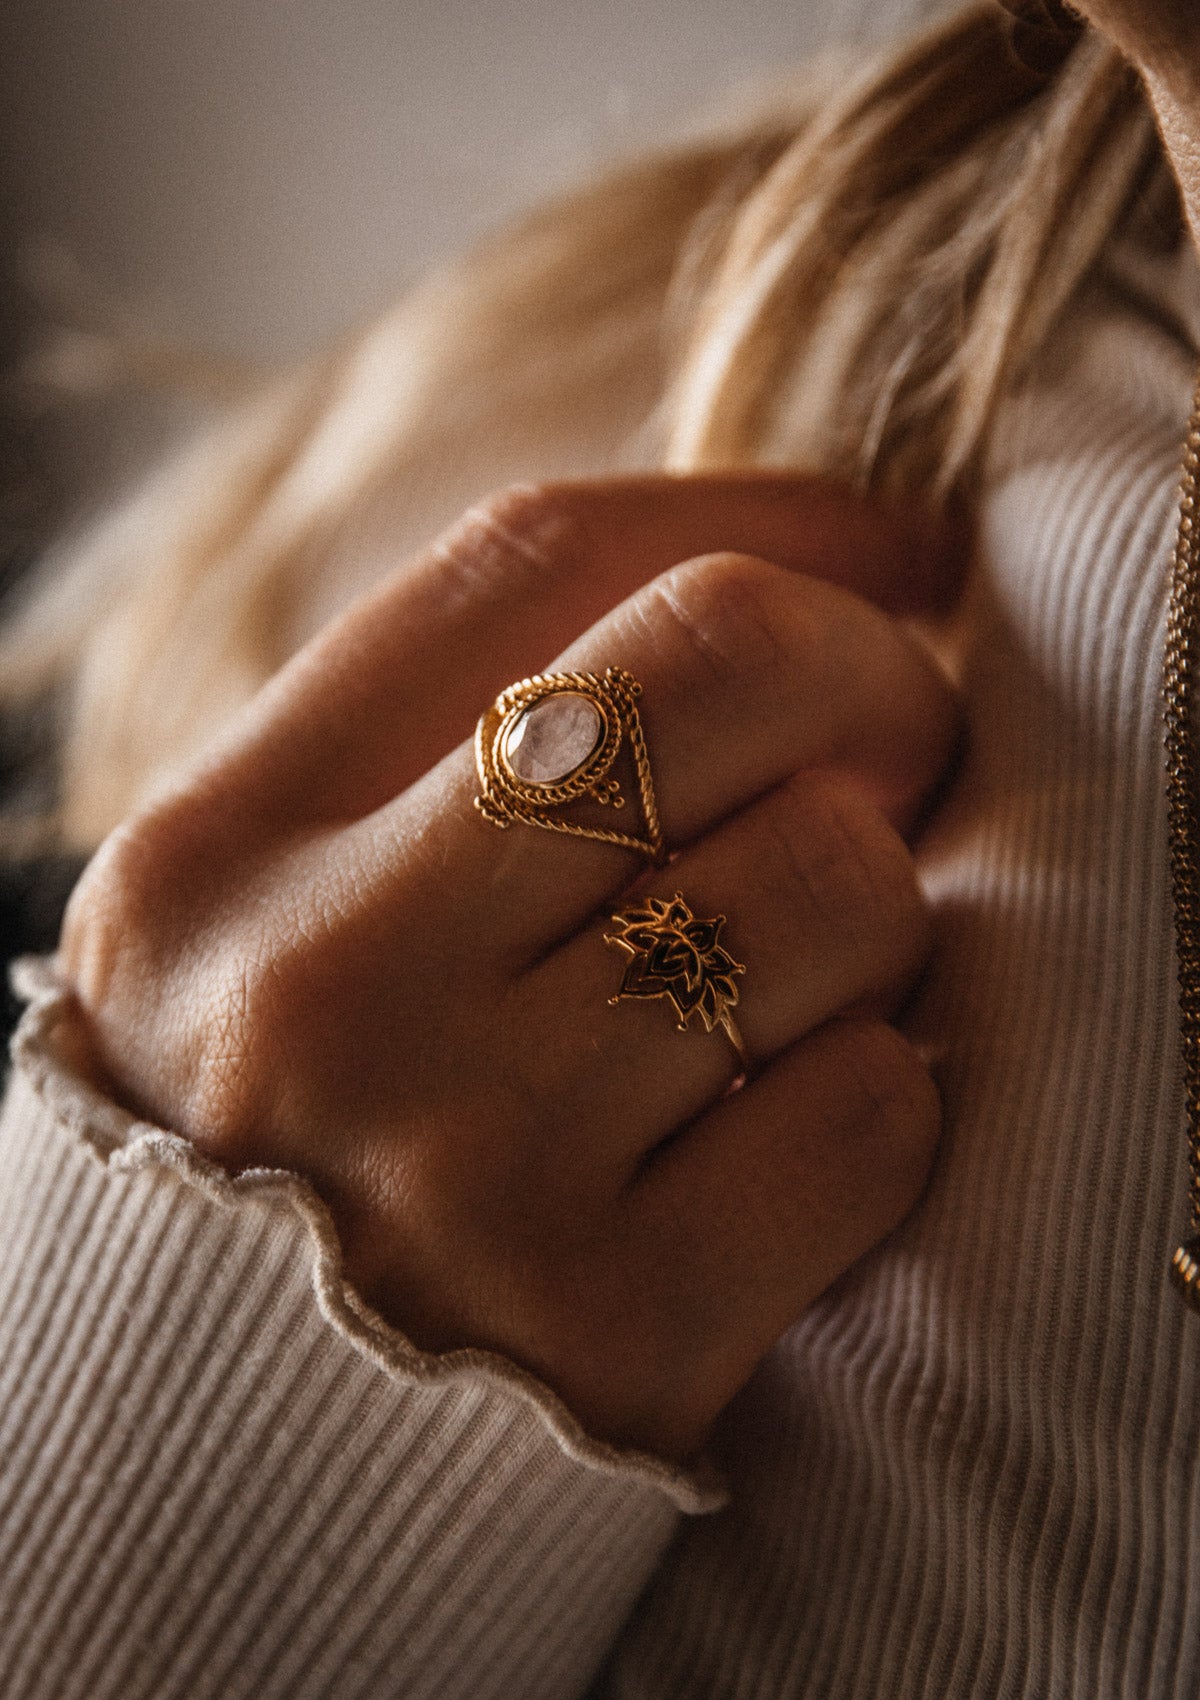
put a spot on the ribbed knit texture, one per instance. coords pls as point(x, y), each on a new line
point(209, 1490)
point(972, 1471)
point(975, 1470)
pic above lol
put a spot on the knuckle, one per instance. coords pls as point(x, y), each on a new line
point(727, 610)
point(95, 909)
point(895, 1111)
point(175, 988)
point(523, 528)
point(854, 871)
point(112, 913)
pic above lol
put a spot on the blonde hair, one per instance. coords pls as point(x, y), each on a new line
point(849, 285)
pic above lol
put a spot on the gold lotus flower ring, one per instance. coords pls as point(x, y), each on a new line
point(677, 955)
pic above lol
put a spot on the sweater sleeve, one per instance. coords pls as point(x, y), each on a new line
point(221, 1475)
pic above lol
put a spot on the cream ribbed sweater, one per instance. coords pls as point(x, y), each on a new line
point(974, 1470)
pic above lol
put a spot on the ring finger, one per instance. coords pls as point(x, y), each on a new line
point(824, 912)
point(749, 674)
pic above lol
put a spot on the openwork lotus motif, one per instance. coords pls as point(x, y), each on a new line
point(677, 955)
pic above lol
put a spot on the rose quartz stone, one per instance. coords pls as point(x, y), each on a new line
point(553, 738)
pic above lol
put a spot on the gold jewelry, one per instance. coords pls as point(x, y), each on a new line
point(1179, 701)
point(551, 741)
point(677, 955)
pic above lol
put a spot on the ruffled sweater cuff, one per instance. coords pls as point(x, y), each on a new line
point(221, 1474)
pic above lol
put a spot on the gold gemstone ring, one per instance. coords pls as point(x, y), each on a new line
point(677, 955)
point(549, 753)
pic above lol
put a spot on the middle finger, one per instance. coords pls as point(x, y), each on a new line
point(750, 673)
point(823, 909)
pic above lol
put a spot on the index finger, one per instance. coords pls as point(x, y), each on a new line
point(400, 679)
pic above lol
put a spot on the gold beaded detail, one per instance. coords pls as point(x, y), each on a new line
point(1179, 701)
point(506, 795)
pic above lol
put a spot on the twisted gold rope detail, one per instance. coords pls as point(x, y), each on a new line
point(504, 799)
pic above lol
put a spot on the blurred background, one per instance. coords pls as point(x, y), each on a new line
point(258, 170)
point(250, 175)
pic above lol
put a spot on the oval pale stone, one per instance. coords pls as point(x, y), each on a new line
point(553, 738)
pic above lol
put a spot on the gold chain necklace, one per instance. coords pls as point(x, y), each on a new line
point(1180, 657)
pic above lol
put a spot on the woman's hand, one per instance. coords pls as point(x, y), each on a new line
point(317, 955)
